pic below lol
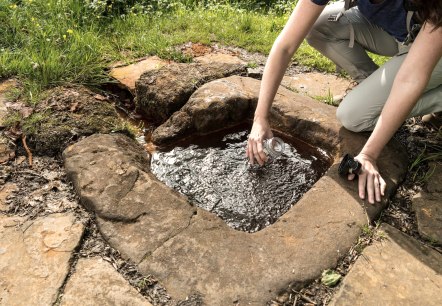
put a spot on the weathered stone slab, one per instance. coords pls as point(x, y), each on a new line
point(191, 252)
point(395, 271)
point(428, 209)
point(225, 265)
point(162, 92)
point(34, 257)
point(128, 75)
point(317, 85)
point(95, 282)
point(110, 173)
point(66, 114)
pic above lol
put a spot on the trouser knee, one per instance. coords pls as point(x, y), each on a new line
point(352, 119)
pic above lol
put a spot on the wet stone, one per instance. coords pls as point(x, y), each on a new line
point(215, 175)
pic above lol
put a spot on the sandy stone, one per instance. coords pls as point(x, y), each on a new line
point(218, 58)
point(161, 92)
point(428, 209)
point(317, 85)
point(5, 191)
point(34, 257)
point(395, 271)
point(95, 282)
point(128, 75)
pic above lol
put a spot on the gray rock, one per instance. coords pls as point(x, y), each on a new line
point(34, 257)
point(397, 270)
point(95, 282)
point(162, 92)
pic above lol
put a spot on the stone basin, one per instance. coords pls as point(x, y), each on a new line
point(192, 251)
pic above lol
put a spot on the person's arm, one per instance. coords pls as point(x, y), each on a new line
point(408, 86)
point(296, 29)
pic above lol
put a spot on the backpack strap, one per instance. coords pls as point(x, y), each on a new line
point(412, 30)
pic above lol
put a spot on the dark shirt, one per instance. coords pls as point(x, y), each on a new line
point(390, 15)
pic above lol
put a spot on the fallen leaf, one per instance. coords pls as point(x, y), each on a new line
point(330, 278)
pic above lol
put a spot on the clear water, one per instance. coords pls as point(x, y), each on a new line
point(215, 175)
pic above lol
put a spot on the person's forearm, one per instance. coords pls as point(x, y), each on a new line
point(297, 27)
point(408, 86)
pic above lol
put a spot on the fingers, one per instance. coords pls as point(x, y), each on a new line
point(371, 186)
point(255, 151)
point(362, 181)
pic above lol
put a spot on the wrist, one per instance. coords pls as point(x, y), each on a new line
point(368, 156)
point(260, 117)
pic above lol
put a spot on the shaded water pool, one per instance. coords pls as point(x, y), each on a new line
point(214, 173)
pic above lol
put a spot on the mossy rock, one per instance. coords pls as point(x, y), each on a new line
point(67, 114)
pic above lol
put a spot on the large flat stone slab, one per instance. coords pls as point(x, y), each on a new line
point(34, 257)
point(111, 175)
point(95, 282)
point(397, 270)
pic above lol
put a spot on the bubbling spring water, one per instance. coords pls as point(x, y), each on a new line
point(215, 175)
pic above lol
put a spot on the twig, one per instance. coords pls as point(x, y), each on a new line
point(23, 139)
point(307, 299)
point(295, 301)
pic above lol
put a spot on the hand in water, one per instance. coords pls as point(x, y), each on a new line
point(260, 131)
point(369, 179)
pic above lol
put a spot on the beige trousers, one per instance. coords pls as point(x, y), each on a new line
point(360, 109)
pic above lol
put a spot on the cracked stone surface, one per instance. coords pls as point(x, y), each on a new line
point(44, 247)
point(95, 282)
point(397, 270)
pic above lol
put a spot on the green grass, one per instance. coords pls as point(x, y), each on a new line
point(48, 43)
